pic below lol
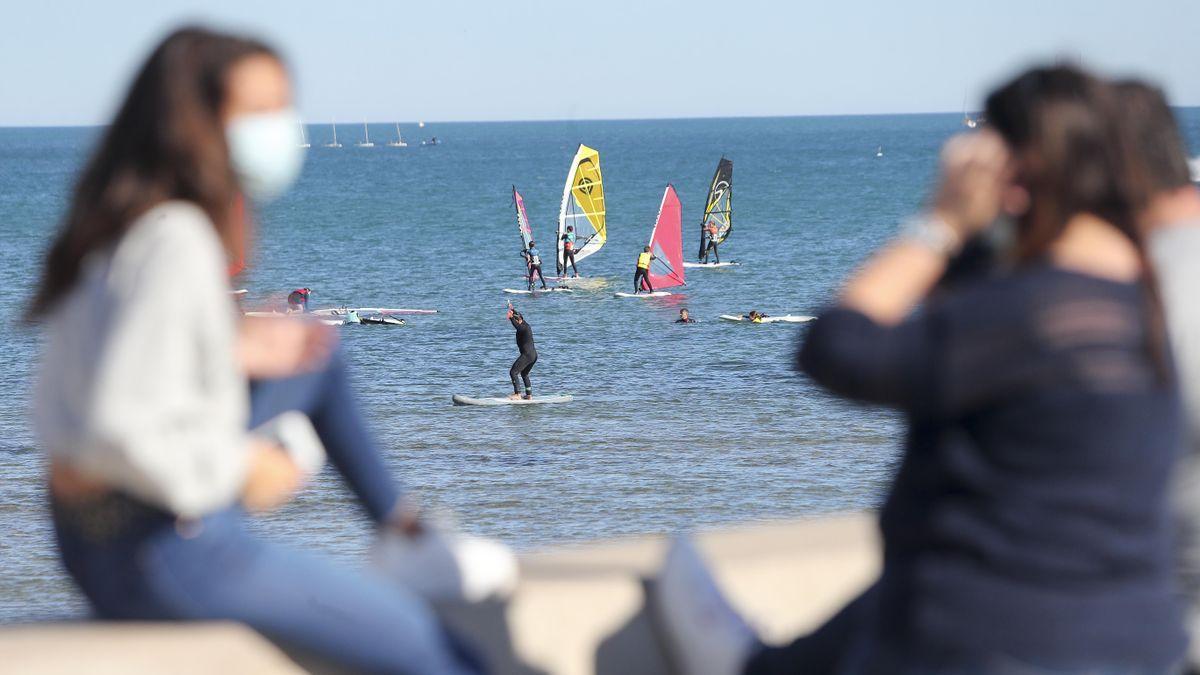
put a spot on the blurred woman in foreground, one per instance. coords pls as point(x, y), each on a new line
point(143, 399)
point(1026, 530)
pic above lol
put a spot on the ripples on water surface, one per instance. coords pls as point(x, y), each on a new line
point(673, 426)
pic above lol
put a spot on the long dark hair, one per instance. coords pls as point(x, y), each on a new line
point(166, 142)
point(1075, 157)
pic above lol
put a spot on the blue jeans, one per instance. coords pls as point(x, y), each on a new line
point(134, 561)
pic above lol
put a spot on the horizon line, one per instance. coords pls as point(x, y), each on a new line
point(581, 119)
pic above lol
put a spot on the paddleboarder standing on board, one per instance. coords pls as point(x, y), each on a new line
point(527, 358)
point(642, 273)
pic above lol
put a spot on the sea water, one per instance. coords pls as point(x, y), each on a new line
point(673, 427)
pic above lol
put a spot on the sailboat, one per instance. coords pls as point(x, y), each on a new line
point(334, 144)
point(366, 142)
point(666, 243)
point(399, 142)
point(582, 207)
point(304, 138)
point(879, 151)
point(718, 209)
point(526, 232)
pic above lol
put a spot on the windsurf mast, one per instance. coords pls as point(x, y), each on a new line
point(582, 206)
point(719, 206)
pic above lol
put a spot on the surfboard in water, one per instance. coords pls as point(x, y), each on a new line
point(582, 206)
point(719, 207)
point(460, 399)
point(787, 318)
point(666, 243)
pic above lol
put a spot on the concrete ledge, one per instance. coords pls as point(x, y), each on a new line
point(577, 611)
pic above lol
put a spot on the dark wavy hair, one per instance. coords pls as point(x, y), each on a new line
point(1076, 156)
point(166, 142)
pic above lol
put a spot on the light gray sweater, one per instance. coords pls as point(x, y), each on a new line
point(138, 385)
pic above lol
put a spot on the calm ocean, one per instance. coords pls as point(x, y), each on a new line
point(673, 427)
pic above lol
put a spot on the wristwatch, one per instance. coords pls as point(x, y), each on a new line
point(931, 232)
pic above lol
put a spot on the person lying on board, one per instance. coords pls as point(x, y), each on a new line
point(527, 357)
point(568, 242)
point(533, 260)
point(642, 274)
point(298, 300)
point(755, 316)
point(711, 231)
point(684, 318)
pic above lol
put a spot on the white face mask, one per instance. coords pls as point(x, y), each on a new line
point(265, 151)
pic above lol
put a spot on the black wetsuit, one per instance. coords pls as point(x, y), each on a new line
point(568, 255)
point(525, 361)
point(687, 320)
point(641, 275)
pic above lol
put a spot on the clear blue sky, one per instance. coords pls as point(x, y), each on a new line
point(64, 62)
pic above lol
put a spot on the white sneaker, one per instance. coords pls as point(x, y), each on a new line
point(705, 634)
point(442, 565)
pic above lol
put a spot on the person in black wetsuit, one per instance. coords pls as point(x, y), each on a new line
point(684, 318)
point(528, 357)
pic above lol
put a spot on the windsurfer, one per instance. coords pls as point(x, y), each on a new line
point(568, 242)
point(642, 273)
point(684, 318)
point(298, 300)
point(527, 358)
point(533, 262)
point(711, 232)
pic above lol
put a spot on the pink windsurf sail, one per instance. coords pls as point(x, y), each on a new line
point(522, 219)
point(666, 243)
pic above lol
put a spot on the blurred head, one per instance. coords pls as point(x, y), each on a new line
point(1069, 152)
point(1158, 146)
point(1159, 161)
point(683, 314)
point(168, 141)
point(646, 249)
point(531, 244)
point(570, 228)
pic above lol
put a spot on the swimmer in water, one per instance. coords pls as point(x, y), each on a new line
point(684, 318)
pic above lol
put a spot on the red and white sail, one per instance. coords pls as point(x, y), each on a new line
point(666, 243)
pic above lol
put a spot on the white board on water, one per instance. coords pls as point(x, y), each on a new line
point(655, 294)
point(338, 311)
point(731, 263)
point(787, 318)
point(555, 289)
point(460, 399)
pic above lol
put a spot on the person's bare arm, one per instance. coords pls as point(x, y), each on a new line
point(975, 171)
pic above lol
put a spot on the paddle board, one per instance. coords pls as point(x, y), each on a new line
point(460, 399)
point(552, 289)
point(655, 294)
point(337, 311)
point(731, 263)
point(787, 318)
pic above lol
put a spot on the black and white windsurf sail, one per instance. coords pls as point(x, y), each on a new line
point(719, 206)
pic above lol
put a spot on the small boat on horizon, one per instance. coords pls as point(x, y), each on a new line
point(399, 142)
point(366, 142)
point(304, 137)
point(879, 151)
point(335, 143)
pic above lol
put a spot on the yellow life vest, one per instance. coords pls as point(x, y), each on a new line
point(644, 261)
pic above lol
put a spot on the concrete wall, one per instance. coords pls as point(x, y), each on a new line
point(577, 611)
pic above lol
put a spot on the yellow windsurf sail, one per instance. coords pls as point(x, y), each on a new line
point(582, 206)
